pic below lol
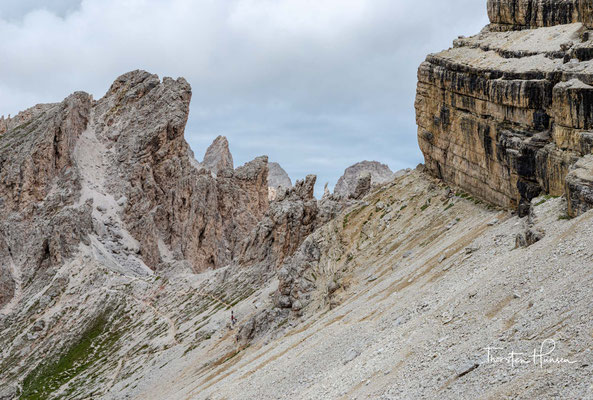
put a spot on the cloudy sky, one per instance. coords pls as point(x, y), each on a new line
point(315, 84)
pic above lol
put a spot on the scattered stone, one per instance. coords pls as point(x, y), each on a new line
point(471, 249)
point(351, 355)
point(451, 224)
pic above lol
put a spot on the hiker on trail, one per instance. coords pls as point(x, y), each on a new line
point(233, 319)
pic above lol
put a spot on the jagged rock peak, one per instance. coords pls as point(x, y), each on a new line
point(218, 157)
point(347, 184)
point(524, 14)
point(277, 176)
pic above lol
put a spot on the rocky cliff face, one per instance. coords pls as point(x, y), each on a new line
point(94, 193)
point(505, 115)
point(525, 14)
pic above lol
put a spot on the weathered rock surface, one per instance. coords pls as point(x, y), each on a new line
point(347, 184)
point(523, 14)
point(99, 194)
point(505, 115)
point(579, 186)
point(218, 158)
point(277, 176)
point(172, 209)
point(23, 117)
point(293, 216)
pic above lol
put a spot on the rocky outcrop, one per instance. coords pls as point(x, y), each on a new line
point(347, 184)
point(505, 115)
point(174, 210)
point(525, 14)
point(218, 157)
point(579, 186)
point(293, 216)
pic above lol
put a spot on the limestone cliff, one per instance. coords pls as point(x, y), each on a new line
point(524, 14)
point(507, 113)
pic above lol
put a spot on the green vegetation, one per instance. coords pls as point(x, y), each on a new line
point(281, 324)
point(449, 206)
point(94, 344)
point(545, 198)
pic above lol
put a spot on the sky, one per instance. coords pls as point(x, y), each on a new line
point(317, 85)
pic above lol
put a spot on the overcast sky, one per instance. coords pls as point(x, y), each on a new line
point(315, 84)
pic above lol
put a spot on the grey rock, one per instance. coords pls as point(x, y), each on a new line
point(347, 184)
point(218, 156)
point(363, 186)
point(351, 355)
point(277, 176)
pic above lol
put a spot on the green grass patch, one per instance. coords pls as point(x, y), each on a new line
point(449, 206)
point(93, 345)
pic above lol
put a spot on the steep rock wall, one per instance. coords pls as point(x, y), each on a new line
point(523, 14)
point(505, 115)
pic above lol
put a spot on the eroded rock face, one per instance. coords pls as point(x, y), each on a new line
point(100, 200)
point(293, 216)
point(23, 117)
point(505, 115)
point(173, 209)
point(347, 184)
point(579, 186)
point(523, 14)
point(218, 157)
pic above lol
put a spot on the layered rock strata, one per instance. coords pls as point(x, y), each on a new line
point(524, 14)
point(505, 115)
